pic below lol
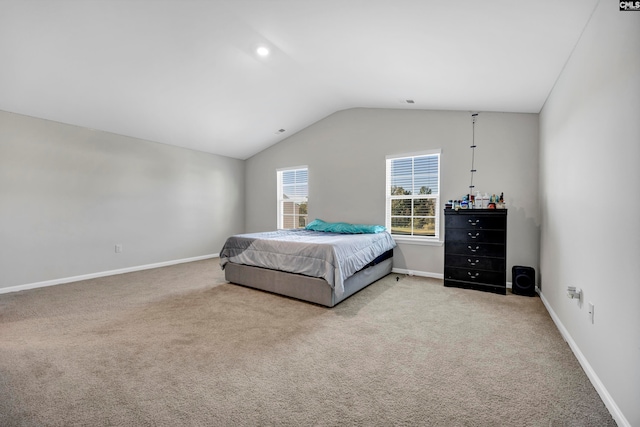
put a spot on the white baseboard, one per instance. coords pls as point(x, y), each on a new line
point(102, 274)
point(593, 377)
point(425, 274)
point(417, 273)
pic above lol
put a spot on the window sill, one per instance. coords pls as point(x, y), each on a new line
point(417, 241)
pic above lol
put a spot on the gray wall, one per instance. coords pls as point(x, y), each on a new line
point(590, 238)
point(68, 195)
point(346, 153)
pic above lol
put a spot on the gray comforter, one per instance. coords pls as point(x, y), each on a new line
point(331, 256)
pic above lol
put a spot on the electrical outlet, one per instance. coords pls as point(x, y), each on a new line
point(591, 309)
point(118, 249)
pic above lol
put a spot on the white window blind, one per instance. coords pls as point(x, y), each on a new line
point(412, 195)
point(293, 197)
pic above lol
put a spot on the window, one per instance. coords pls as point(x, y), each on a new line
point(293, 196)
point(413, 196)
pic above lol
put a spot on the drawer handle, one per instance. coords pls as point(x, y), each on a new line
point(473, 276)
point(473, 263)
point(473, 250)
point(473, 236)
point(473, 222)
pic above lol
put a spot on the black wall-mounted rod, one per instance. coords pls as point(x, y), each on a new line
point(473, 152)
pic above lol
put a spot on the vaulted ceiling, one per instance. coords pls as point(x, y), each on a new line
point(186, 72)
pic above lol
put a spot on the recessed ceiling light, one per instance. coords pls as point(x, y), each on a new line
point(410, 101)
point(262, 51)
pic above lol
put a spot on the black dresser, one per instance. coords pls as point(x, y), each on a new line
point(475, 249)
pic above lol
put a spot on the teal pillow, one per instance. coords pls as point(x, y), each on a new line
point(344, 227)
point(317, 225)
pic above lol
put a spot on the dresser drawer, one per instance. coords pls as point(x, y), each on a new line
point(471, 236)
point(496, 278)
point(472, 248)
point(475, 262)
point(481, 222)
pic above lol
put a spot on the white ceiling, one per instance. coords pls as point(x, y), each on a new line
point(185, 72)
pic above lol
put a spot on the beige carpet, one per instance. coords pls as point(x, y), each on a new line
point(177, 346)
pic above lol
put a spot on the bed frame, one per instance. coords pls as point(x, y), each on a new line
point(306, 288)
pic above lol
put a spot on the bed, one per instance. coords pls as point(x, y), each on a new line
point(322, 267)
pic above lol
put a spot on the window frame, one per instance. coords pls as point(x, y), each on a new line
point(405, 238)
point(280, 197)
